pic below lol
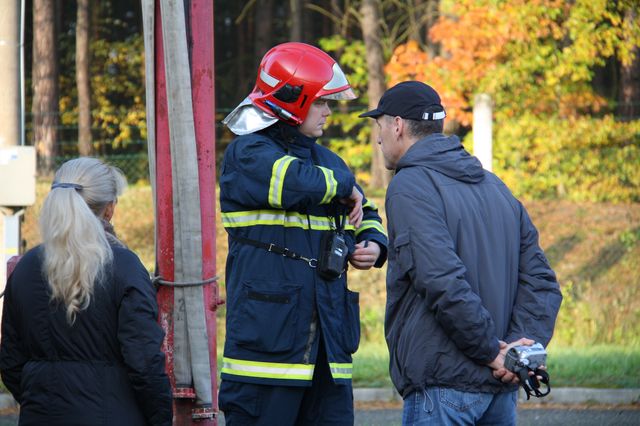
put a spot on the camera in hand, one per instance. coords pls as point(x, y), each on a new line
point(333, 255)
point(524, 359)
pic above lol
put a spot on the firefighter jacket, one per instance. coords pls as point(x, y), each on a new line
point(279, 187)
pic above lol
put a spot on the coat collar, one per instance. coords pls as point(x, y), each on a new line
point(294, 142)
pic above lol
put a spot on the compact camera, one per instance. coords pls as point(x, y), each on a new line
point(525, 359)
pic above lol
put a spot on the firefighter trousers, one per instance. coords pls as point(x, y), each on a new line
point(324, 403)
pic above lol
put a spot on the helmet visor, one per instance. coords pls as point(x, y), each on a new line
point(344, 95)
point(338, 87)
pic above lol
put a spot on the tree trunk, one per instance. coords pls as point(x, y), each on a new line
point(264, 30)
point(45, 83)
point(83, 81)
point(295, 30)
point(370, 20)
point(433, 13)
point(629, 95)
point(415, 14)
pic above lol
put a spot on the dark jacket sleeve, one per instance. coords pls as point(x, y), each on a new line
point(538, 299)
point(270, 177)
point(372, 229)
point(140, 339)
point(12, 358)
point(423, 243)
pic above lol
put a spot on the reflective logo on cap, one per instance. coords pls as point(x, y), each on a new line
point(434, 115)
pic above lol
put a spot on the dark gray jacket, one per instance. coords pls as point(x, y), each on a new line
point(465, 269)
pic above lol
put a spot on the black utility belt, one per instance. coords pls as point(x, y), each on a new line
point(331, 263)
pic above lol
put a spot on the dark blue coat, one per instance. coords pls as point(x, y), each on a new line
point(280, 187)
point(465, 269)
point(106, 369)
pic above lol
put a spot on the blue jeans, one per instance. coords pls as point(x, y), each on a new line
point(446, 406)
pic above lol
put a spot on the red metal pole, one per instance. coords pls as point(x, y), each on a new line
point(164, 200)
point(202, 58)
point(201, 46)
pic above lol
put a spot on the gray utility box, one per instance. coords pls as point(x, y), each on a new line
point(17, 176)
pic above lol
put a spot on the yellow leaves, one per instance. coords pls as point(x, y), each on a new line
point(529, 55)
point(587, 158)
point(406, 63)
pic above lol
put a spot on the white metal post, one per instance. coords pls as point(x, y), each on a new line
point(10, 118)
point(482, 130)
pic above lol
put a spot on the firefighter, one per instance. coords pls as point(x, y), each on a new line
point(294, 215)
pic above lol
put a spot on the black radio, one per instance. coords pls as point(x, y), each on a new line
point(332, 260)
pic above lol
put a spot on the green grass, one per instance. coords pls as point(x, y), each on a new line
point(371, 366)
point(597, 366)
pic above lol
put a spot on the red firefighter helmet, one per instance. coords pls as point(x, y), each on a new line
point(292, 76)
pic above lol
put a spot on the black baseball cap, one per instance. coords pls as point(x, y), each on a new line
point(413, 100)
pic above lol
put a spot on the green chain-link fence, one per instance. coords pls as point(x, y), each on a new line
point(135, 166)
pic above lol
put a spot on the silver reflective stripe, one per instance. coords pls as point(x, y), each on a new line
point(276, 185)
point(267, 370)
point(370, 204)
point(369, 224)
point(332, 185)
point(271, 81)
point(341, 370)
point(277, 217)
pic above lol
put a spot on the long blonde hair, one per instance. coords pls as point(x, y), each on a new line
point(76, 247)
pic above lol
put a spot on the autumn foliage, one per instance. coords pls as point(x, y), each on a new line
point(536, 58)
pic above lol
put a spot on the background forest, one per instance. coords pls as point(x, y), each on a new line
point(563, 76)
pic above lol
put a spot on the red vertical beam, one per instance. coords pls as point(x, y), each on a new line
point(201, 46)
point(202, 68)
point(164, 203)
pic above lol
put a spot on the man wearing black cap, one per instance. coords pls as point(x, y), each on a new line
point(466, 277)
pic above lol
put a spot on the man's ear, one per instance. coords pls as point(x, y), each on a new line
point(398, 126)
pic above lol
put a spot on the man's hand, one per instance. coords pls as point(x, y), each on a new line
point(355, 202)
point(366, 255)
point(499, 371)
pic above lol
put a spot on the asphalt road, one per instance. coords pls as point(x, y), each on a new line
point(628, 416)
point(527, 417)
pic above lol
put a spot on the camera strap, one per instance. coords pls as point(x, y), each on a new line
point(340, 218)
point(531, 384)
point(274, 248)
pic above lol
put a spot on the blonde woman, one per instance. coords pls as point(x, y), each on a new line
point(80, 342)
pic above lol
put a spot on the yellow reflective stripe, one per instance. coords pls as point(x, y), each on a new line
point(267, 370)
point(341, 370)
point(370, 204)
point(277, 217)
point(278, 172)
point(368, 224)
point(332, 185)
